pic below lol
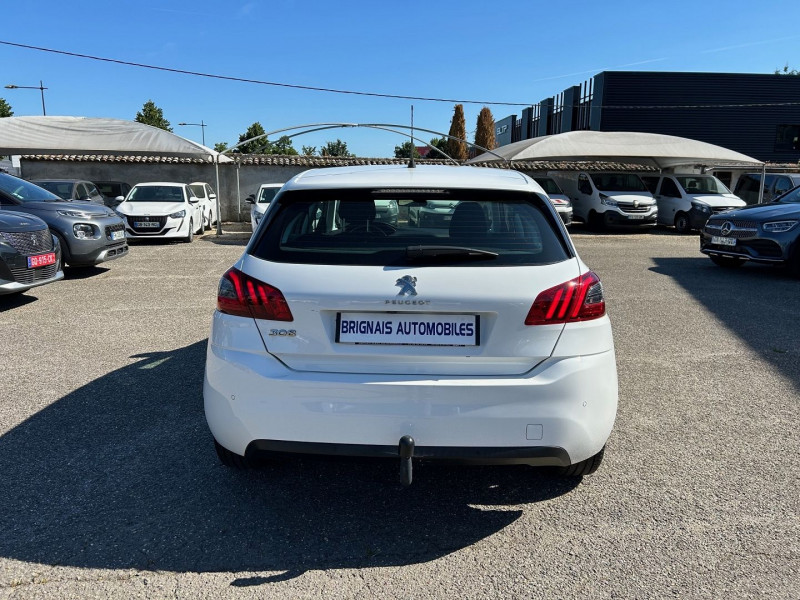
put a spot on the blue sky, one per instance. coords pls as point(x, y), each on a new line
point(515, 52)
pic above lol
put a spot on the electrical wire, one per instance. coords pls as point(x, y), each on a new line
point(376, 94)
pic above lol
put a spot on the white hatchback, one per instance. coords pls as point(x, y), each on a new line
point(162, 210)
point(480, 338)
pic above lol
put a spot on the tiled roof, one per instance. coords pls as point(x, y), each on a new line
point(113, 158)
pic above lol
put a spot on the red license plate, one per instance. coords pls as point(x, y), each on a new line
point(41, 260)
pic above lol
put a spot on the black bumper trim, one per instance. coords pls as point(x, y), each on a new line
point(519, 455)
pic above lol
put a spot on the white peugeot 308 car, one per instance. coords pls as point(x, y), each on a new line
point(481, 338)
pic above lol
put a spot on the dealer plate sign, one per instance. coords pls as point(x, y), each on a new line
point(408, 329)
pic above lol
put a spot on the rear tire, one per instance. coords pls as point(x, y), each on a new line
point(585, 467)
point(231, 459)
point(727, 262)
point(682, 223)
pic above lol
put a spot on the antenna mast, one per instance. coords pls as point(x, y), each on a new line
point(411, 164)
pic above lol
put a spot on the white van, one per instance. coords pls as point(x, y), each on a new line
point(687, 201)
point(600, 199)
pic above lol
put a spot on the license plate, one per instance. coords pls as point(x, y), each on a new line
point(723, 241)
point(117, 235)
point(636, 217)
point(147, 224)
point(41, 260)
point(408, 329)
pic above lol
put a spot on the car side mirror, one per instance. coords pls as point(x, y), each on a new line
point(193, 200)
point(212, 196)
point(251, 199)
point(119, 199)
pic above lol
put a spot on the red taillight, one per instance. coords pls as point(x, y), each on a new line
point(579, 299)
point(243, 296)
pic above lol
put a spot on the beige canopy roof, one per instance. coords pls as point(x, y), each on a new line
point(85, 135)
point(662, 151)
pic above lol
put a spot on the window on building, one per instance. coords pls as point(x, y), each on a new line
point(788, 138)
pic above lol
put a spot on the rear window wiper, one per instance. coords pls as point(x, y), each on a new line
point(448, 252)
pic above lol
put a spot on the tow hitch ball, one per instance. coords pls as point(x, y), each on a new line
point(406, 451)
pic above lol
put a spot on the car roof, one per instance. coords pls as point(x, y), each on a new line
point(61, 180)
point(270, 185)
point(422, 176)
point(147, 183)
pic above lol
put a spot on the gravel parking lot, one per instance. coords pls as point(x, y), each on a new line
point(110, 486)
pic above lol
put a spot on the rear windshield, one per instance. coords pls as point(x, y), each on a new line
point(618, 182)
point(548, 185)
point(430, 227)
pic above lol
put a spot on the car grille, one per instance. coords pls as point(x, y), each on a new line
point(161, 221)
point(27, 276)
point(630, 208)
point(721, 209)
point(112, 228)
point(742, 229)
point(30, 242)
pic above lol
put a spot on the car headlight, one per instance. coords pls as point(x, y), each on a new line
point(779, 226)
point(71, 213)
point(178, 215)
point(83, 231)
point(700, 206)
point(607, 201)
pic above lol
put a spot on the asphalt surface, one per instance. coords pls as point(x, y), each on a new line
point(109, 485)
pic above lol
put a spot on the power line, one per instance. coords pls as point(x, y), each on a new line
point(257, 81)
point(376, 94)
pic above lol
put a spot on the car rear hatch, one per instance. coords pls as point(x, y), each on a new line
point(370, 297)
point(363, 319)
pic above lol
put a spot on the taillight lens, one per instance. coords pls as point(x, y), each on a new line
point(244, 296)
point(580, 299)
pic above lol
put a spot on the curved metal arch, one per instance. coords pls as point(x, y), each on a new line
point(323, 126)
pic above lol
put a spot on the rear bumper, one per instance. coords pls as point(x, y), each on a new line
point(561, 412)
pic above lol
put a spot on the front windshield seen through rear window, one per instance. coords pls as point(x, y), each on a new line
point(266, 195)
point(156, 193)
point(549, 185)
point(481, 228)
point(62, 189)
point(25, 191)
point(790, 197)
point(618, 182)
point(702, 184)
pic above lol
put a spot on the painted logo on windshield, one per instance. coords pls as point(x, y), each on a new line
point(407, 285)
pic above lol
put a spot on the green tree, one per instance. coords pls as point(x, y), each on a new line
point(283, 146)
point(152, 115)
point(404, 150)
point(5, 109)
point(309, 150)
point(441, 144)
point(337, 148)
point(221, 146)
point(786, 71)
point(484, 132)
point(259, 146)
point(458, 129)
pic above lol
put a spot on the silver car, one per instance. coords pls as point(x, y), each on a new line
point(88, 233)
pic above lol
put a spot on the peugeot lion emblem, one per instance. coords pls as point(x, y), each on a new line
point(726, 228)
point(407, 285)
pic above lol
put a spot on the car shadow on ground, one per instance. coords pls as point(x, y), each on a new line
point(83, 272)
point(121, 474)
point(11, 301)
point(228, 238)
point(759, 303)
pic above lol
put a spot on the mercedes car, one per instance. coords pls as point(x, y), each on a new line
point(762, 233)
point(482, 338)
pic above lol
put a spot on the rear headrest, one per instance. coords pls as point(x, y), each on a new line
point(354, 211)
point(469, 221)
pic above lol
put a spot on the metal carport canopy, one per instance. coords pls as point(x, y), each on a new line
point(88, 135)
point(663, 151)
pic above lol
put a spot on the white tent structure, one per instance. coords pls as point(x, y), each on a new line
point(86, 135)
point(661, 151)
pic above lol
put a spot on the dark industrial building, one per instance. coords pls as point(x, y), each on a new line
point(757, 115)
